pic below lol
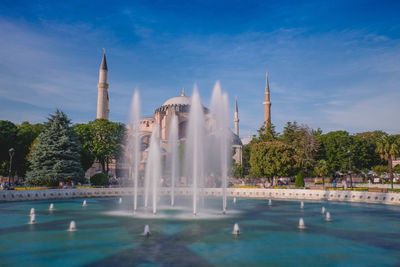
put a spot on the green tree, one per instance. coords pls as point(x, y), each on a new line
point(299, 182)
point(26, 134)
point(335, 147)
point(305, 141)
point(388, 148)
point(238, 170)
point(99, 179)
point(55, 156)
point(380, 169)
point(246, 158)
point(322, 170)
point(265, 135)
point(84, 133)
point(275, 158)
point(8, 136)
point(101, 139)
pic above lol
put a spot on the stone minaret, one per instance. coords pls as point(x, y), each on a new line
point(267, 106)
point(236, 120)
point(102, 95)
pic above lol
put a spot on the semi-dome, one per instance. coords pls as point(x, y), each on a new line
point(178, 100)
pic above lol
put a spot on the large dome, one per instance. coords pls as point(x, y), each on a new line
point(178, 100)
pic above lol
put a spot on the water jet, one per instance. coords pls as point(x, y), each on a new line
point(328, 216)
point(146, 230)
point(301, 224)
point(236, 229)
point(72, 226)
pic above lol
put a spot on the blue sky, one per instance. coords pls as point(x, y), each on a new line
point(332, 64)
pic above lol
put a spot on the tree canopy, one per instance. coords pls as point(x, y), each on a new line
point(101, 140)
point(55, 156)
point(274, 158)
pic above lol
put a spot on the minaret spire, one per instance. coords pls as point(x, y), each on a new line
point(267, 105)
point(102, 92)
point(236, 120)
point(183, 92)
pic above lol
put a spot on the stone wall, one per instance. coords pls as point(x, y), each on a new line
point(289, 194)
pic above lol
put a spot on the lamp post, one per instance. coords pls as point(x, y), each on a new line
point(351, 178)
point(11, 152)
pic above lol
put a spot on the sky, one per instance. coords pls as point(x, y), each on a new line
point(333, 65)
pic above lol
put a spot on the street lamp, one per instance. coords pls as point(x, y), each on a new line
point(11, 152)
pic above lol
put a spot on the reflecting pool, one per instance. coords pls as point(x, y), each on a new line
point(109, 234)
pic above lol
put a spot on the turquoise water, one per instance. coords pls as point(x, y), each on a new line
point(358, 235)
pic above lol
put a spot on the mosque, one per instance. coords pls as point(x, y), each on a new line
point(179, 106)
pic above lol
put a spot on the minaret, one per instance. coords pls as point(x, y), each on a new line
point(102, 95)
point(236, 120)
point(267, 106)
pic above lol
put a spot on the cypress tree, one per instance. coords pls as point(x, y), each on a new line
point(55, 155)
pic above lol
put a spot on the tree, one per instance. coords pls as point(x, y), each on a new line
point(335, 150)
point(101, 139)
point(238, 170)
point(246, 158)
point(265, 135)
point(388, 148)
point(84, 133)
point(8, 134)
point(299, 182)
point(99, 179)
point(55, 156)
point(275, 158)
point(26, 134)
point(322, 170)
point(305, 141)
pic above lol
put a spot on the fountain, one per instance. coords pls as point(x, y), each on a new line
point(173, 149)
point(146, 230)
point(301, 224)
point(234, 200)
point(236, 229)
point(207, 133)
point(153, 169)
point(32, 218)
point(120, 201)
point(32, 211)
point(51, 207)
point(195, 146)
point(328, 216)
point(323, 210)
point(72, 226)
point(270, 202)
point(133, 145)
point(220, 113)
point(84, 203)
point(302, 205)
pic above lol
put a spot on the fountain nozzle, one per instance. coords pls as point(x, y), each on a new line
point(146, 230)
point(236, 229)
point(72, 226)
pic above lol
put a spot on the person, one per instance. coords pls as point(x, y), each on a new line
point(334, 183)
point(344, 183)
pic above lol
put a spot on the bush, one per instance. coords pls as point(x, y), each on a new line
point(299, 180)
point(99, 179)
point(238, 171)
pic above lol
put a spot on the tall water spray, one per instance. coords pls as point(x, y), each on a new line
point(153, 169)
point(222, 138)
point(173, 143)
point(195, 146)
point(133, 145)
